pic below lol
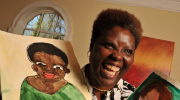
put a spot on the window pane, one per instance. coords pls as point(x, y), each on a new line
point(58, 37)
point(48, 22)
point(62, 37)
point(30, 33)
point(45, 35)
point(61, 26)
point(34, 23)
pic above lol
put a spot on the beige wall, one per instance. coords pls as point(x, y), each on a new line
point(156, 23)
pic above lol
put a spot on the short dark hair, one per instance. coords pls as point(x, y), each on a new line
point(111, 18)
point(46, 48)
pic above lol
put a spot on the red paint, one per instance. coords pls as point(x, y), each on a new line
point(49, 75)
point(135, 77)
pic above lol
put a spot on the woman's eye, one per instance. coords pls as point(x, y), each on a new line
point(40, 63)
point(128, 51)
point(109, 45)
point(58, 67)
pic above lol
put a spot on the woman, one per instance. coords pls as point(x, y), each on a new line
point(50, 64)
point(115, 37)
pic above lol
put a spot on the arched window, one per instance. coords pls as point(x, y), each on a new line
point(42, 19)
point(47, 25)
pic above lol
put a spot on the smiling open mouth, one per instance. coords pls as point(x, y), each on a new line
point(49, 75)
point(110, 70)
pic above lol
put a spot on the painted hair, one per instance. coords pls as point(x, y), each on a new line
point(46, 48)
point(111, 18)
point(162, 89)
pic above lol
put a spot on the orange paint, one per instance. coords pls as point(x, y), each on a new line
point(151, 54)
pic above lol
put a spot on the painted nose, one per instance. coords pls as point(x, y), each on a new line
point(117, 56)
point(48, 67)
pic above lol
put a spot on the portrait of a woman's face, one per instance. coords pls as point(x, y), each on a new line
point(152, 95)
point(157, 86)
point(49, 66)
point(41, 67)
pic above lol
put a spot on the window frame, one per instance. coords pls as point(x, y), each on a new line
point(27, 13)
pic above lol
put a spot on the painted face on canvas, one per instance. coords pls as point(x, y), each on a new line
point(152, 95)
point(112, 55)
point(49, 66)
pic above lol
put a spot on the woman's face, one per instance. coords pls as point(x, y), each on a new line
point(49, 67)
point(112, 55)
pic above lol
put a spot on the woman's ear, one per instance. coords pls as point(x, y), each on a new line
point(91, 46)
point(34, 67)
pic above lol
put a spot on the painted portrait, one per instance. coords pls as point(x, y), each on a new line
point(50, 63)
point(157, 86)
point(35, 68)
point(155, 90)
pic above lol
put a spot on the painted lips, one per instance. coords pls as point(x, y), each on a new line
point(49, 75)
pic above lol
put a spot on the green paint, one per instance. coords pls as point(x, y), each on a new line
point(67, 92)
point(5, 91)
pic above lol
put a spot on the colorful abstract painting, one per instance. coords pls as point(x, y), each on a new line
point(151, 54)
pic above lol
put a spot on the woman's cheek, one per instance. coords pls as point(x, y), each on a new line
point(103, 52)
point(129, 60)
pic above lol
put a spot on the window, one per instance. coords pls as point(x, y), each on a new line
point(46, 25)
point(42, 19)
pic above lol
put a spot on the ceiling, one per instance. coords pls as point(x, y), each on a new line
point(170, 5)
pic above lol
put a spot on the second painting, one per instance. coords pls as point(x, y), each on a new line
point(151, 54)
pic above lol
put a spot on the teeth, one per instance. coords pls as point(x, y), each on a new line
point(111, 67)
point(109, 72)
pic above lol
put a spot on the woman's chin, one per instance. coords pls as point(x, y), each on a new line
point(107, 82)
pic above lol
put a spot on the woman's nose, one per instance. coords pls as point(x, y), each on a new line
point(117, 56)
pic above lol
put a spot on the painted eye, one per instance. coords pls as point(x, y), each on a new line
point(58, 67)
point(40, 63)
